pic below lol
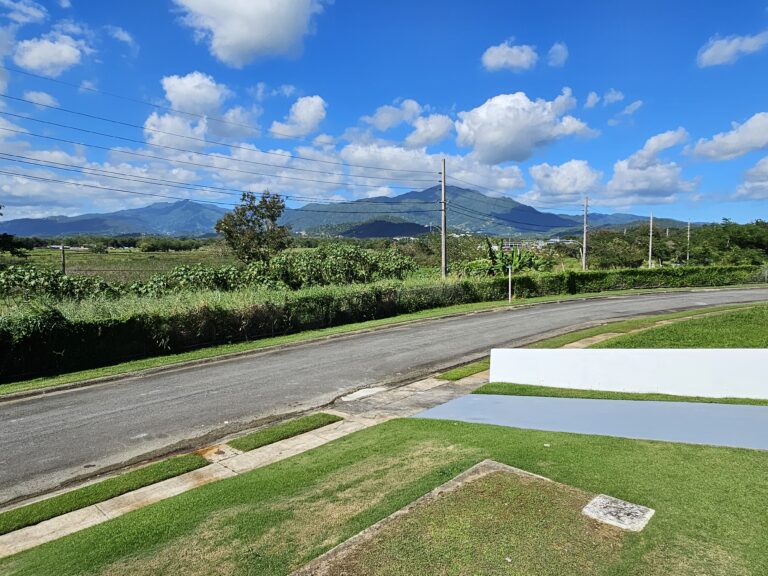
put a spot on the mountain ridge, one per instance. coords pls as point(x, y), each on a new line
point(469, 211)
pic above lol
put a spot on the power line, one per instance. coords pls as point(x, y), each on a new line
point(162, 181)
point(196, 164)
point(192, 138)
point(208, 118)
point(111, 189)
point(207, 154)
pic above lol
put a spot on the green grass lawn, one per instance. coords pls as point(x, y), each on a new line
point(240, 347)
point(98, 492)
point(282, 431)
point(497, 524)
point(709, 504)
point(737, 329)
point(508, 389)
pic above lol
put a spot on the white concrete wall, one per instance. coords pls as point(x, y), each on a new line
point(715, 373)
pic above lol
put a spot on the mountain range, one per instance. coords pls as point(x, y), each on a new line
point(408, 214)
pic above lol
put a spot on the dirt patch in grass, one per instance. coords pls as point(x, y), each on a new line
point(499, 523)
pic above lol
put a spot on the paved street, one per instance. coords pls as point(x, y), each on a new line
point(49, 439)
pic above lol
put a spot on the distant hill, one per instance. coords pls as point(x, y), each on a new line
point(404, 215)
point(468, 211)
point(182, 218)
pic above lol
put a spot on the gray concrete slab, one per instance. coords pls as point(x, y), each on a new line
point(693, 423)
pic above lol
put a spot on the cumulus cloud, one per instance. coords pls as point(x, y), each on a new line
point(557, 55)
point(755, 185)
point(644, 178)
point(510, 126)
point(176, 128)
point(51, 54)
point(429, 130)
point(237, 122)
point(510, 57)
point(303, 118)
point(239, 31)
point(387, 116)
point(24, 11)
point(612, 96)
point(742, 138)
point(563, 184)
point(196, 93)
point(718, 51)
point(592, 100)
point(42, 98)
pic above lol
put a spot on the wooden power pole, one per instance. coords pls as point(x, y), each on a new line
point(650, 244)
point(443, 254)
point(584, 240)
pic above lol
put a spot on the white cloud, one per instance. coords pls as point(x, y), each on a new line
point(510, 126)
point(42, 98)
point(261, 91)
point(563, 184)
point(755, 185)
point(592, 100)
point(429, 130)
point(24, 11)
point(400, 158)
point(387, 116)
point(644, 178)
point(628, 111)
point(65, 4)
point(510, 57)
point(88, 86)
point(239, 31)
point(51, 54)
point(122, 35)
point(303, 118)
point(174, 125)
point(237, 123)
point(747, 137)
point(196, 93)
point(557, 55)
point(612, 96)
point(727, 50)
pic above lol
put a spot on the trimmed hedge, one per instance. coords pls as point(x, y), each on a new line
point(46, 340)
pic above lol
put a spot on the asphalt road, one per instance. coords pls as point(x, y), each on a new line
point(50, 439)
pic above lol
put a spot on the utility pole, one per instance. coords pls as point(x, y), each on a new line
point(688, 249)
point(584, 240)
point(63, 259)
point(443, 255)
point(650, 244)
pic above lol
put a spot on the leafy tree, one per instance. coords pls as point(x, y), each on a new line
point(9, 244)
point(251, 229)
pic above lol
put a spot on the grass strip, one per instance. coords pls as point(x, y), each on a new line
point(744, 328)
point(466, 370)
point(282, 431)
point(625, 326)
point(509, 389)
point(31, 514)
point(709, 506)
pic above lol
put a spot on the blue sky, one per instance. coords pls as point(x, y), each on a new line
point(643, 106)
